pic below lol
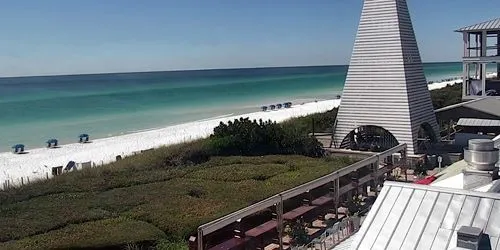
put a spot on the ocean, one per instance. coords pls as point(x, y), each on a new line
point(35, 109)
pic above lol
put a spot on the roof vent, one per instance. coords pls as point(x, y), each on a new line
point(481, 154)
point(481, 157)
point(469, 237)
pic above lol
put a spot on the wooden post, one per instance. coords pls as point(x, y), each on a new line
point(449, 129)
point(405, 162)
point(375, 176)
point(279, 212)
point(47, 175)
point(200, 239)
point(465, 73)
point(498, 54)
point(312, 126)
point(22, 181)
point(337, 197)
point(484, 39)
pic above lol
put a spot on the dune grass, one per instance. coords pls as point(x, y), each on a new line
point(99, 233)
point(127, 202)
point(449, 95)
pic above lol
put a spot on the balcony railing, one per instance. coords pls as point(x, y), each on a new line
point(482, 59)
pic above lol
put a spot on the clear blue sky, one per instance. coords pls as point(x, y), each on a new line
point(66, 37)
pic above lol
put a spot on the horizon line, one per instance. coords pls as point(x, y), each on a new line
point(183, 70)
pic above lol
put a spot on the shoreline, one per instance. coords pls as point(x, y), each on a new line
point(37, 163)
point(457, 80)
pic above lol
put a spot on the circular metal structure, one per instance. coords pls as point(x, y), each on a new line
point(481, 154)
point(369, 138)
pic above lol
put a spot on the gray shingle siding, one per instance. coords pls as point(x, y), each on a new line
point(385, 84)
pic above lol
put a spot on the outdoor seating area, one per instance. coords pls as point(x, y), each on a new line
point(315, 215)
point(322, 225)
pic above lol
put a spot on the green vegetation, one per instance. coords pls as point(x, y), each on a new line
point(449, 95)
point(297, 232)
point(169, 204)
point(97, 233)
point(323, 122)
point(160, 197)
point(245, 137)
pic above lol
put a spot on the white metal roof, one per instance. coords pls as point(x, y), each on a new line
point(484, 105)
point(472, 122)
point(488, 25)
point(457, 181)
point(496, 140)
point(412, 216)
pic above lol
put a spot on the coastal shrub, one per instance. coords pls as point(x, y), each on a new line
point(245, 137)
point(190, 153)
point(323, 122)
point(449, 95)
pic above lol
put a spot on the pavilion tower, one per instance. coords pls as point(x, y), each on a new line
point(385, 87)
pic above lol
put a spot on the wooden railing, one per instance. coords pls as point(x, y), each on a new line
point(277, 200)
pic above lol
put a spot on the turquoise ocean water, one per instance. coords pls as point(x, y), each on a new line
point(34, 109)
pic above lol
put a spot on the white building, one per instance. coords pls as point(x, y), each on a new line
point(385, 94)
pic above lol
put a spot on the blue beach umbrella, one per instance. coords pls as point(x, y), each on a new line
point(83, 137)
point(18, 148)
point(52, 142)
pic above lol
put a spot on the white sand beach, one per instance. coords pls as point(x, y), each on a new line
point(442, 84)
point(38, 163)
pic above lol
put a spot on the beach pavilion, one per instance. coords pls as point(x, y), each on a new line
point(393, 105)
